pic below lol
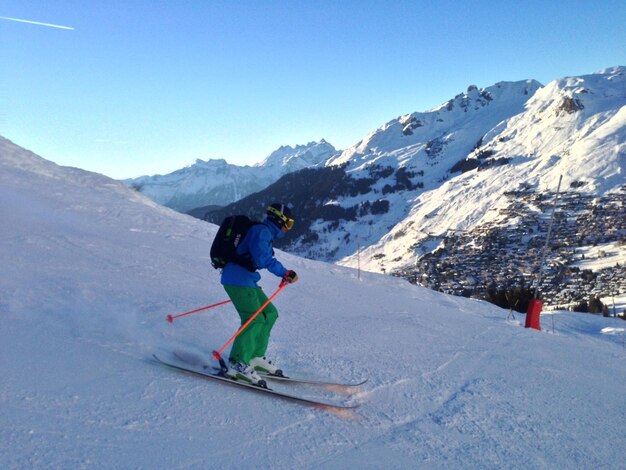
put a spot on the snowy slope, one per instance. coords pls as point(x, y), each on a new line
point(575, 127)
point(216, 182)
point(91, 268)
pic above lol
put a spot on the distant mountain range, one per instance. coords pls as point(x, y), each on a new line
point(404, 188)
point(217, 183)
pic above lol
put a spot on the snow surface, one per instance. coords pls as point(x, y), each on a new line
point(90, 269)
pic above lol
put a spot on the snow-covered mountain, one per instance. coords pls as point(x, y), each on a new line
point(439, 136)
point(403, 189)
point(287, 159)
point(90, 269)
point(217, 183)
point(575, 127)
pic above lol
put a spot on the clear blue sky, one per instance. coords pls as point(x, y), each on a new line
point(146, 86)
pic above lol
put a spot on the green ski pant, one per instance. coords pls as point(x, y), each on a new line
point(251, 342)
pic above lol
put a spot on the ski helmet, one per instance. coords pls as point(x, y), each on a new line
point(280, 215)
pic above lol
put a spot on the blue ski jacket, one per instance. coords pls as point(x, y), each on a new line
point(258, 244)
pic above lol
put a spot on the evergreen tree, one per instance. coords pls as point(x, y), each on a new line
point(595, 305)
point(583, 306)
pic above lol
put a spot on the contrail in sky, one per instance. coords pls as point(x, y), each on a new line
point(36, 22)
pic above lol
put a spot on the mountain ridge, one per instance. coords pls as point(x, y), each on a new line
point(504, 99)
point(216, 182)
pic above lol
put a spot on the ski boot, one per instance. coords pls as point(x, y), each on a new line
point(241, 371)
point(261, 364)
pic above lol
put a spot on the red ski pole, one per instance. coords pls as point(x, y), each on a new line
point(171, 318)
point(217, 355)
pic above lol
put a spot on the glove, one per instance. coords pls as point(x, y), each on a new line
point(290, 277)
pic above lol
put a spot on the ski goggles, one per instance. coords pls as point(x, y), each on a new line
point(288, 221)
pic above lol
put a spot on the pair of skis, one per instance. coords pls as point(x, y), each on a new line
point(202, 371)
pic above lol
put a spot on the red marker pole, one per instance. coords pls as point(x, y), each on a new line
point(535, 305)
point(217, 355)
point(171, 318)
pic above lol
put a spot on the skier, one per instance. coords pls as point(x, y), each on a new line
point(247, 355)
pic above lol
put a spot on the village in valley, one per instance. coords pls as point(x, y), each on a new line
point(585, 259)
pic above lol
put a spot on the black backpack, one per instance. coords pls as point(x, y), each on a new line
point(224, 248)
